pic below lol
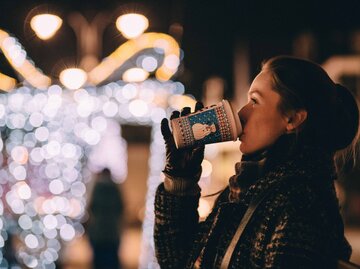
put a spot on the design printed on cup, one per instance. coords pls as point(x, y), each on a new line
point(212, 124)
point(203, 127)
point(201, 130)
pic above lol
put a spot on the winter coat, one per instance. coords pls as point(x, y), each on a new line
point(297, 226)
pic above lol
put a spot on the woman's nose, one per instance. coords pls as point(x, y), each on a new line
point(242, 113)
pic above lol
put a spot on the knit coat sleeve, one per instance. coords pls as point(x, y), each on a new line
point(176, 225)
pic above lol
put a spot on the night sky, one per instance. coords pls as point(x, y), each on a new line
point(211, 31)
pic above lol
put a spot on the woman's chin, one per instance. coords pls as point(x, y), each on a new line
point(246, 150)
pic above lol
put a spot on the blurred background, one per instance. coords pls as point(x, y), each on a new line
point(84, 86)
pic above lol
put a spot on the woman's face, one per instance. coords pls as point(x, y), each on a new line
point(261, 119)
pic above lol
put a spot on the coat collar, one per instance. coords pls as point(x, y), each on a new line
point(284, 160)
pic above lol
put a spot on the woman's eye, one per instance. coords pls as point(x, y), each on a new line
point(253, 101)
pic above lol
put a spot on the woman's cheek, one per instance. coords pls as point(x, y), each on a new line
point(242, 147)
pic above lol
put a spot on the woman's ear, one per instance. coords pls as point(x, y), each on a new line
point(295, 120)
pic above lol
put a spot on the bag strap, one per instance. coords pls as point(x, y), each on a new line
point(244, 221)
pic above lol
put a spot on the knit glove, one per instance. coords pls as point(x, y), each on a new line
point(183, 166)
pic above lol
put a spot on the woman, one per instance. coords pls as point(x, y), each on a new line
point(295, 121)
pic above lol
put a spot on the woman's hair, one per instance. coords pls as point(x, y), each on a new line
point(332, 111)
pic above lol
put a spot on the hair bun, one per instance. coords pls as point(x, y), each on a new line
point(346, 117)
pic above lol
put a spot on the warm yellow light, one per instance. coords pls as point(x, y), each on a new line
point(132, 25)
point(7, 83)
point(135, 75)
point(130, 48)
point(18, 60)
point(73, 78)
point(179, 101)
point(45, 25)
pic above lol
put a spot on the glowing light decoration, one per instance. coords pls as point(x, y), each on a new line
point(51, 141)
point(135, 75)
point(45, 25)
point(132, 25)
point(149, 63)
point(17, 58)
point(73, 78)
point(55, 139)
point(162, 43)
point(6, 83)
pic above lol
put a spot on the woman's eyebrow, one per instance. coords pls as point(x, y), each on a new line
point(256, 92)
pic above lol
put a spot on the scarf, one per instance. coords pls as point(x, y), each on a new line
point(284, 158)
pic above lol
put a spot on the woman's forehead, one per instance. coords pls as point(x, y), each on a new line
point(262, 84)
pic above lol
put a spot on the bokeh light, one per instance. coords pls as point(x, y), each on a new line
point(132, 25)
point(73, 78)
point(149, 63)
point(135, 75)
point(45, 25)
point(55, 140)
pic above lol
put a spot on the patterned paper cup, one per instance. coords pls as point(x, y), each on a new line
point(217, 123)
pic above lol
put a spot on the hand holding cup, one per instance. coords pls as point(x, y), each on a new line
point(181, 162)
point(217, 123)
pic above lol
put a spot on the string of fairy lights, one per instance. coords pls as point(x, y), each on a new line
point(47, 141)
point(53, 139)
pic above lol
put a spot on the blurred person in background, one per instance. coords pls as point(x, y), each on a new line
point(296, 121)
point(104, 224)
point(10, 250)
